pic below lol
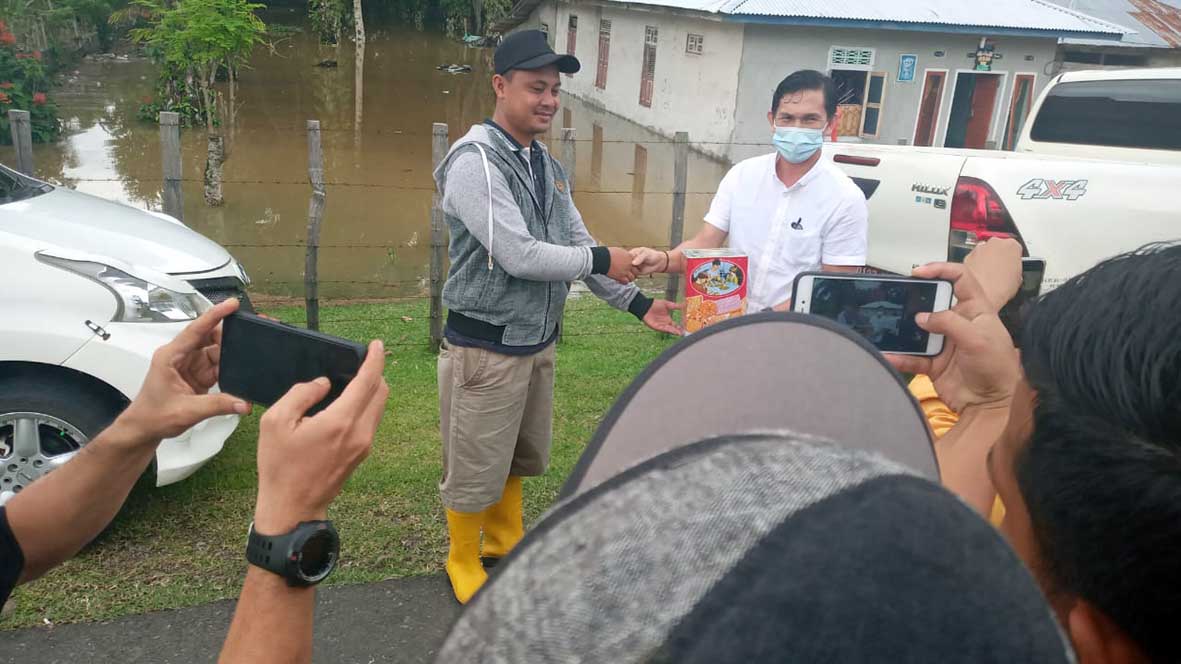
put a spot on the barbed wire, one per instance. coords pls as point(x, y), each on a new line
point(300, 245)
point(556, 140)
point(367, 185)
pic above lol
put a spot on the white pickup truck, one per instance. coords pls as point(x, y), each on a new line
point(1095, 172)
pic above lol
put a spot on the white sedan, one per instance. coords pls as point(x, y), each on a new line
point(89, 289)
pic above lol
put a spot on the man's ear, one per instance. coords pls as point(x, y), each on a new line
point(498, 83)
point(1098, 640)
point(771, 120)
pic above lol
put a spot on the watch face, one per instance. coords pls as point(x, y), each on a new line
point(317, 556)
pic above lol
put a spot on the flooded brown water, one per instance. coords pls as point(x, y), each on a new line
point(377, 157)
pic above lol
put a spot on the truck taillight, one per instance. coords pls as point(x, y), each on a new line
point(977, 214)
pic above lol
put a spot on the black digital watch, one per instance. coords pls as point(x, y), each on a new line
point(305, 556)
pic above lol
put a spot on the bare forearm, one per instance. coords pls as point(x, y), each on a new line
point(62, 512)
point(272, 623)
point(963, 454)
point(676, 257)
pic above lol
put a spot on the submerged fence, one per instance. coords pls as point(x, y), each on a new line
point(319, 180)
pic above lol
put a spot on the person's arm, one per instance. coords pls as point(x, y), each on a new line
point(975, 374)
point(963, 454)
point(302, 464)
point(513, 248)
point(713, 234)
point(657, 261)
point(844, 246)
point(60, 513)
point(656, 314)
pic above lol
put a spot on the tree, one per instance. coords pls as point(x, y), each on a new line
point(328, 19)
point(193, 39)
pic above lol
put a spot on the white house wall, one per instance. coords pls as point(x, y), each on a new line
point(771, 52)
point(693, 93)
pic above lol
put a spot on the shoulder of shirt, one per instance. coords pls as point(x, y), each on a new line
point(759, 163)
point(752, 167)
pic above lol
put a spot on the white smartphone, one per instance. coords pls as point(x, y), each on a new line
point(882, 308)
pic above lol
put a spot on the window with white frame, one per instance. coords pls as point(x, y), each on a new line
point(694, 44)
point(846, 57)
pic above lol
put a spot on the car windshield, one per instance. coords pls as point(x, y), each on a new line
point(16, 187)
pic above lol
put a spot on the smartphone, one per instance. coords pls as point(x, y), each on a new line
point(261, 359)
point(881, 308)
point(1033, 271)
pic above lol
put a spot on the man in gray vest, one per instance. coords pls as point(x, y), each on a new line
point(516, 242)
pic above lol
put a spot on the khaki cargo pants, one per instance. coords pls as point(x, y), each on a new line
point(496, 417)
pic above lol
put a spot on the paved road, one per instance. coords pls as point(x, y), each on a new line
point(401, 620)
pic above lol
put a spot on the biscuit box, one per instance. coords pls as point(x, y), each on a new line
point(715, 286)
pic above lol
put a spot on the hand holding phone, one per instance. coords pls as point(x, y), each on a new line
point(980, 364)
point(261, 359)
point(880, 308)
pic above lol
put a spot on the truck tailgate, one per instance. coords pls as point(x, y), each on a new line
point(909, 193)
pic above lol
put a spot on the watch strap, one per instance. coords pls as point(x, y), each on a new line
point(269, 551)
point(277, 554)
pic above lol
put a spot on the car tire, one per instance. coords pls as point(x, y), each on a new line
point(66, 413)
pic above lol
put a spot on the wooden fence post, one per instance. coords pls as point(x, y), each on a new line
point(680, 186)
point(439, 144)
point(315, 216)
point(174, 204)
point(22, 140)
point(570, 163)
point(569, 160)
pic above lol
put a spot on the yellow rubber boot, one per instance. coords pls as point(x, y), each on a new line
point(463, 557)
point(503, 525)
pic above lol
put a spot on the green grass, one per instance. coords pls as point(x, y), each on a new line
point(183, 544)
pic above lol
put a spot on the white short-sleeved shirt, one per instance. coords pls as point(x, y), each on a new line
point(822, 219)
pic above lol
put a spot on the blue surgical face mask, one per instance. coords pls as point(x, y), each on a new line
point(797, 144)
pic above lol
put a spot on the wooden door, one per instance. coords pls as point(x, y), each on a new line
point(983, 104)
point(604, 54)
point(929, 105)
point(1018, 109)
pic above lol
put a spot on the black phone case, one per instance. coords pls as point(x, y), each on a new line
point(262, 359)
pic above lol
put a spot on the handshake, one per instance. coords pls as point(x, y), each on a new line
point(629, 264)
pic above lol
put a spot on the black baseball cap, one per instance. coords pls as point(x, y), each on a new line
point(529, 49)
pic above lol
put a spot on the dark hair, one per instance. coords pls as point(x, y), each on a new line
point(807, 79)
point(1101, 473)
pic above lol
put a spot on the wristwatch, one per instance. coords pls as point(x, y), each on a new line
point(305, 556)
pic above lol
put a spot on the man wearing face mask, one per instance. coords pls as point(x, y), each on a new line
point(790, 211)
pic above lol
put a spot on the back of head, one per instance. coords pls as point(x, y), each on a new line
point(760, 547)
point(1101, 474)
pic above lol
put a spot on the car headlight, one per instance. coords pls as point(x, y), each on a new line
point(138, 301)
point(242, 273)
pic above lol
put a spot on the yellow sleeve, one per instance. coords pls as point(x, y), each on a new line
point(939, 417)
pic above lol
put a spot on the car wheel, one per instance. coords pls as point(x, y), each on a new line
point(44, 422)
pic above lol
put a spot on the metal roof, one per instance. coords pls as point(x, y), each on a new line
point(1157, 23)
point(1009, 16)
